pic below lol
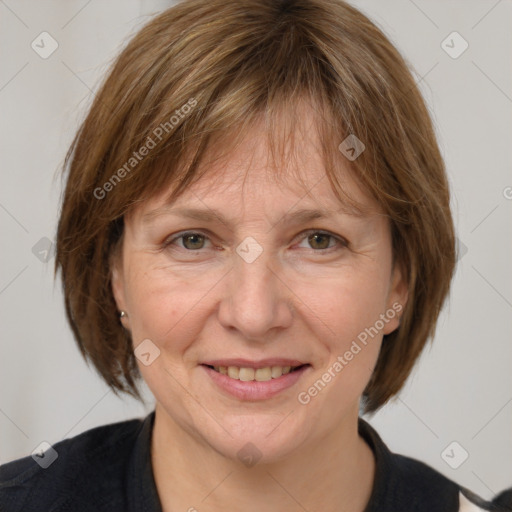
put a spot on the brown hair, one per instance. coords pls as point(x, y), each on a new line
point(205, 68)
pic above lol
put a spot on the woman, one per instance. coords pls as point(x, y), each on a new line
point(256, 221)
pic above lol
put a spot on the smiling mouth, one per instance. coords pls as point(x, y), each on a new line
point(255, 374)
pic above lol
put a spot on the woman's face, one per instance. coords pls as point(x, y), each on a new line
point(263, 289)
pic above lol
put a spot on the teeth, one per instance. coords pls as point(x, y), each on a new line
point(246, 374)
point(276, 371)
point(249, 374)
point(263, 374)
point(233, 372)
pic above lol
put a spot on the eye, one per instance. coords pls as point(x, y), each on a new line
point(191, 240)
point(318, 240)
point(321, 240)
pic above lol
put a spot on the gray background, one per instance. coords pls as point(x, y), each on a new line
point(461, 389)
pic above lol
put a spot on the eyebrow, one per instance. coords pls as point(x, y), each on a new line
point(300, 216)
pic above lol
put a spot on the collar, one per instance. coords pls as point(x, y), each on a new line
point(140, 482)
point(383, 464)
point(142, 494)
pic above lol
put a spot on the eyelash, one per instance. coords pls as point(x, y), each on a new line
point(343, 243)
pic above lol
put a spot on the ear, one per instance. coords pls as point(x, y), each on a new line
point(397, 298)
point(117, 279)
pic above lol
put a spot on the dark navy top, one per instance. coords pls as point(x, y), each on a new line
point(108, 468)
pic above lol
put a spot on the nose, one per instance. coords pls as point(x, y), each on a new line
point(257, 302)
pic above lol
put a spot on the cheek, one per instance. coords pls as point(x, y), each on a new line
point(166, 306)
point(352, 307)
point(350, 311)
point(349, 303)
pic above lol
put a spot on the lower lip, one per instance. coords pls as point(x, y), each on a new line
point(254, 390)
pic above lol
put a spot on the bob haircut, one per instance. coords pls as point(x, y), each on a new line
point(203, 71)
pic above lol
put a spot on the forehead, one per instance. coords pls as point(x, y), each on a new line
point(263, 173)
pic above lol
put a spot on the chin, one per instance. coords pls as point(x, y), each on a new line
point(252, 440)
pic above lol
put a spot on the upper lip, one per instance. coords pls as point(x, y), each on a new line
point(246, 363)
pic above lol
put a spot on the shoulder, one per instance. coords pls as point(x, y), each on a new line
point(404, 483)
point(98, 456)
point(430, 486)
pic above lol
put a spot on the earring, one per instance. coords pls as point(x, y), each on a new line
point(123, 314)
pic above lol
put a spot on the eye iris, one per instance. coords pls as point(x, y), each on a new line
point(314, 238)
point(194, 238)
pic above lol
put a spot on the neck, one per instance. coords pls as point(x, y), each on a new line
point(334, 473)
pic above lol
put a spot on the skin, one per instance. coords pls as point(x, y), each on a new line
point(198, 300)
